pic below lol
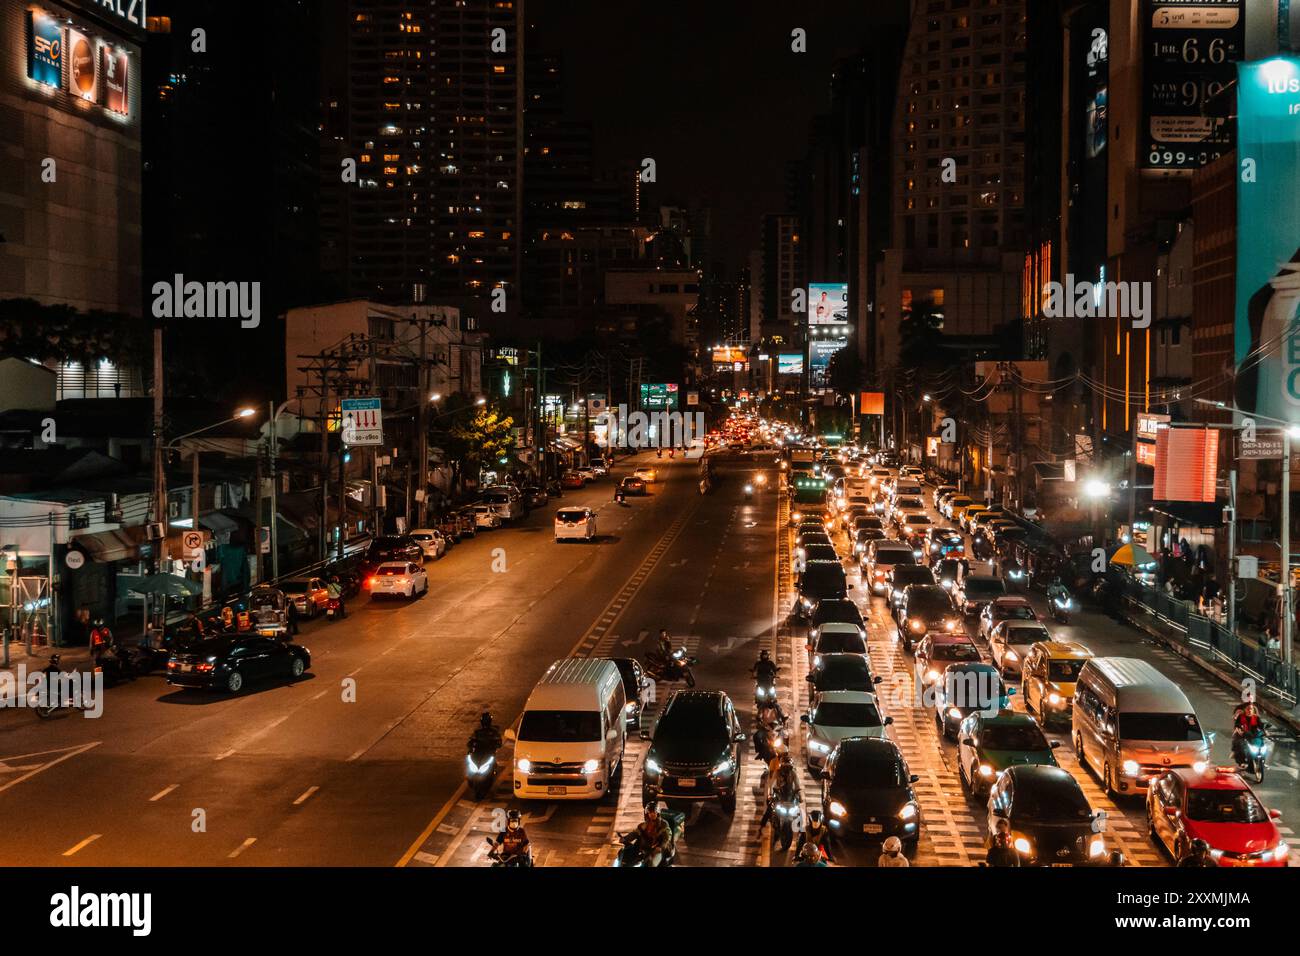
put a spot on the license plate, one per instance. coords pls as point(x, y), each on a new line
point(556, 791)
point(686, 781)
point(186, 668)
point(873, 827)
point(1062, 864)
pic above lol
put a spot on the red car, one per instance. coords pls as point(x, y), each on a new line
point(1219, 807)
point(572, 479)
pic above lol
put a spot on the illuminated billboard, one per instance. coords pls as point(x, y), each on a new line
point(44, 48)
point(659, 396)
point(82, 64)
point(820, 352)
point(828, 303)
point(789, 363)
point(730, 355)
point(114, 79)
point(1187, 464)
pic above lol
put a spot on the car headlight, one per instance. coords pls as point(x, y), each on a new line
point(652, 766)
point(812, 631)
point(722, 769)
point(524, 766)
point(986, 770)
point(817, 661)
point(1096, 847)
point(931, 676)
point(954, 713)
point(1011, 656)
point(1200, 766)
point(1131, 768)
point(915, 625)
point(1216, 854)
point(631, 706)
point(838, 809)
point(1022, 846)
point(591, 766)
point(1278, 852)
point(916, 554)
point(817, 745)
point(947, 584)
point(1054, 699)
point(908, 812)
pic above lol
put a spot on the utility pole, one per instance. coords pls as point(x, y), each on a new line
point(1232, 552)
point(257, 522)
point(422, 453)
point(159, 466)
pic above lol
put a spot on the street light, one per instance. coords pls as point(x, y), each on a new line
point(1096, 488)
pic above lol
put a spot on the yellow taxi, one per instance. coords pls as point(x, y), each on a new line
point(1050, 671)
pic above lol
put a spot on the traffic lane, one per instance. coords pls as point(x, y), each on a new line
point(244, 710)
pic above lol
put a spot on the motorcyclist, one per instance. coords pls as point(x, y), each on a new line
point(1198, 854)
point(1001, 852)
point(892, 853)
point(764, 669)
point(1057, 589)
point(512, 843)
point(665, 646)
point(335, 589)
point(654, 835)
point(487, 735)
point(817, 835)
point(784, 780)
point(1246, 723)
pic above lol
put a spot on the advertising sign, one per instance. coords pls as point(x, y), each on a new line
point(1147, 428)
point(1268, 239)
point(871, 403)
point(44, 48)
point(1191, 48)
point(1265, 446)
point(692, 398)
point(82, 65)
point(789, 363)
point(1187, 464)
point(659, 397)
point(819, 360)
point(363, 421)
point(730, 354)
point(114, 74)
point(828, 303)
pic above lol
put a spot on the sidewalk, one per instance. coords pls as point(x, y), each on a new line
point(70, 658)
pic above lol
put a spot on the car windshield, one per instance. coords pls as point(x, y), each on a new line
point(1014, 613)
point(839, 714)
point(895, 556)
point(983, 587)
point(1024, 636)
point(1012, 737)
point(913, 574)
point(928, 603)
point(954, 651)
point(824, 577)
point(867, 772)
point(1064, 672)
point(560, 726)
point(947, 537)
point(1224, 806)
point(906, 502)
point(821, 552)
point(850, 672)
point(841, 642)
point(1054, 802)
point(570, 516)
point(1169, 727)
point(294, 587)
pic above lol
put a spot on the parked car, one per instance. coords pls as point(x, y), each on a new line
point(572, 479)
point(309, 595)
point(575, 524)
point(535, 495)
point(400, 547)
point(431, 541)
point(404, 578)
point(231, 663)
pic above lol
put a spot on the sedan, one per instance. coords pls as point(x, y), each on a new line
point(632, 485)
point(1219, 807)
point(937, 650)
point(841, 672)
point(836, 639)
point(309, 595)
point(961, 691)
point(837, 610)
point(647, 474)
point(431, 541)
point(838, 714)
point(1051, 821)
point(228, 663)
point(1008, 608)
point(399, 578)
point(572, 479)
point(986, 746)
point(1011, 641)
point(867, 792)
point(813, 552)
point(484, 516)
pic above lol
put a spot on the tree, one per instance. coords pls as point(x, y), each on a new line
point(484, 439)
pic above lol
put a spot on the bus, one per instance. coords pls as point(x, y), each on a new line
point(808, 490)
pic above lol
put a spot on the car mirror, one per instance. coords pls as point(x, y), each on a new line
point(1099, 822)
point(1275, 814)
point(913, 778)
point(888, 721)
point(644, 734)
point(509, 735)
point(1171, 811)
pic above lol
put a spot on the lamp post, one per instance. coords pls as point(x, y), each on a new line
point(273, 455)
point(1095, 489)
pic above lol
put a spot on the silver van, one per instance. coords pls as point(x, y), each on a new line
point(1131, 723)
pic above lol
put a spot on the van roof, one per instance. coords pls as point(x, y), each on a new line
point(1139, 686)
point(557, 687)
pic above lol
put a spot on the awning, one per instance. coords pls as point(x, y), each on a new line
point(122, 544)
point(218, 523)
point(1191, 514)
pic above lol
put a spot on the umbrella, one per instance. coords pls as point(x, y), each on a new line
point(1133, 556)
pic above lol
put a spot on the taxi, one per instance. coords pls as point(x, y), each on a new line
point(1048, 674)
point(989, 745)
point(1215, 805)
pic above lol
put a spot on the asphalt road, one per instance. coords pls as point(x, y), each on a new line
point(360, 763)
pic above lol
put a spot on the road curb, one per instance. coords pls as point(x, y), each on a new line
point(1268, 706)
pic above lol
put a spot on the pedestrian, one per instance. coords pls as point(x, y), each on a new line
point(292, 608)
point(227, 618)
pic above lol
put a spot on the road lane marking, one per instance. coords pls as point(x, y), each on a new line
point(228, 753)
point(306, 795)
point(241, 848)
point(163, 792)
point(46, 766)
point(83, 844)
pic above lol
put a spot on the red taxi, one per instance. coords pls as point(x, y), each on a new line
point(1219, 807)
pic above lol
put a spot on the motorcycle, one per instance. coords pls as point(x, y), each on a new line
point(749, 492)
point(632, 854)
point(480, 767)
point(524, 860)
point(786, 813)
point(764, 692)
point(770, 741)
point(676, 667)
point(334, 609)
point(1061, 605)
point(1252, 753)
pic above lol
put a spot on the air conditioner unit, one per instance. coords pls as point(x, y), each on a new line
point(157, 530)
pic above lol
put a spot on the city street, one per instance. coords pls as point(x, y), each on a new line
point(299, 774)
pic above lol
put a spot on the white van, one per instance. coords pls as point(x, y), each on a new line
point(1131, 723)
point(571, 735)
point(504, 502)
point(905, 486)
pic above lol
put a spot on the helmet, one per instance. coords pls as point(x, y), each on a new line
point(1003, 825)
point(485, 719)
point(764, 656)
point(651, 809)
point(1199, 847)
point(785, 759)
point(814, 818)
point(893, 846)
point(514, 818)
point(54, 660)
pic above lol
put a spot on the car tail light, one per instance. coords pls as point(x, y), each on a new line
point(204, 668)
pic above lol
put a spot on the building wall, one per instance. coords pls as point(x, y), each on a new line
point(1214, 267)
point(676, 291)
point(74, 241)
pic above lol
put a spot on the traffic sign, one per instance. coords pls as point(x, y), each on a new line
point(363, 422)
point(192, 544)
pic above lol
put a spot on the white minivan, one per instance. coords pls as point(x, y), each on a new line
point(575, 524)
point(1131, 723)
point(506, 503)
point(571, 736)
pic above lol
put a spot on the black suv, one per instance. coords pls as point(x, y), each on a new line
point(400, 547)
point(837, 610)
point(819, 581)
point(867, 792)
point(695, 752)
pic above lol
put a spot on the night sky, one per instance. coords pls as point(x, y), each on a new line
point(709, 88)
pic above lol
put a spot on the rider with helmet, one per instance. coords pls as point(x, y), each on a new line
point(892, 853)
point(1198, 854)
point(784, 779)
point(512, 843)
point(817, 835)
point(654, 835)
point(1001, 851)
point(764, 669)
point(1246, 723)
point(487, 735)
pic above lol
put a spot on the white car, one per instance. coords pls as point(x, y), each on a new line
point(588, 472)
point(571, 523)
point(399, 577)
point(484, 516)
point(839, 714)
point(431, 541)
point(1010, 641)
point(646, 474)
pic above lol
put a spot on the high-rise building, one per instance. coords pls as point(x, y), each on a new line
point(434, 106)
point(783, 273)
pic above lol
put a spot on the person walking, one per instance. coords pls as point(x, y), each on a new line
point(292, 616)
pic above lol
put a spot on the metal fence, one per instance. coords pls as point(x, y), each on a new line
point(1214, 642)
